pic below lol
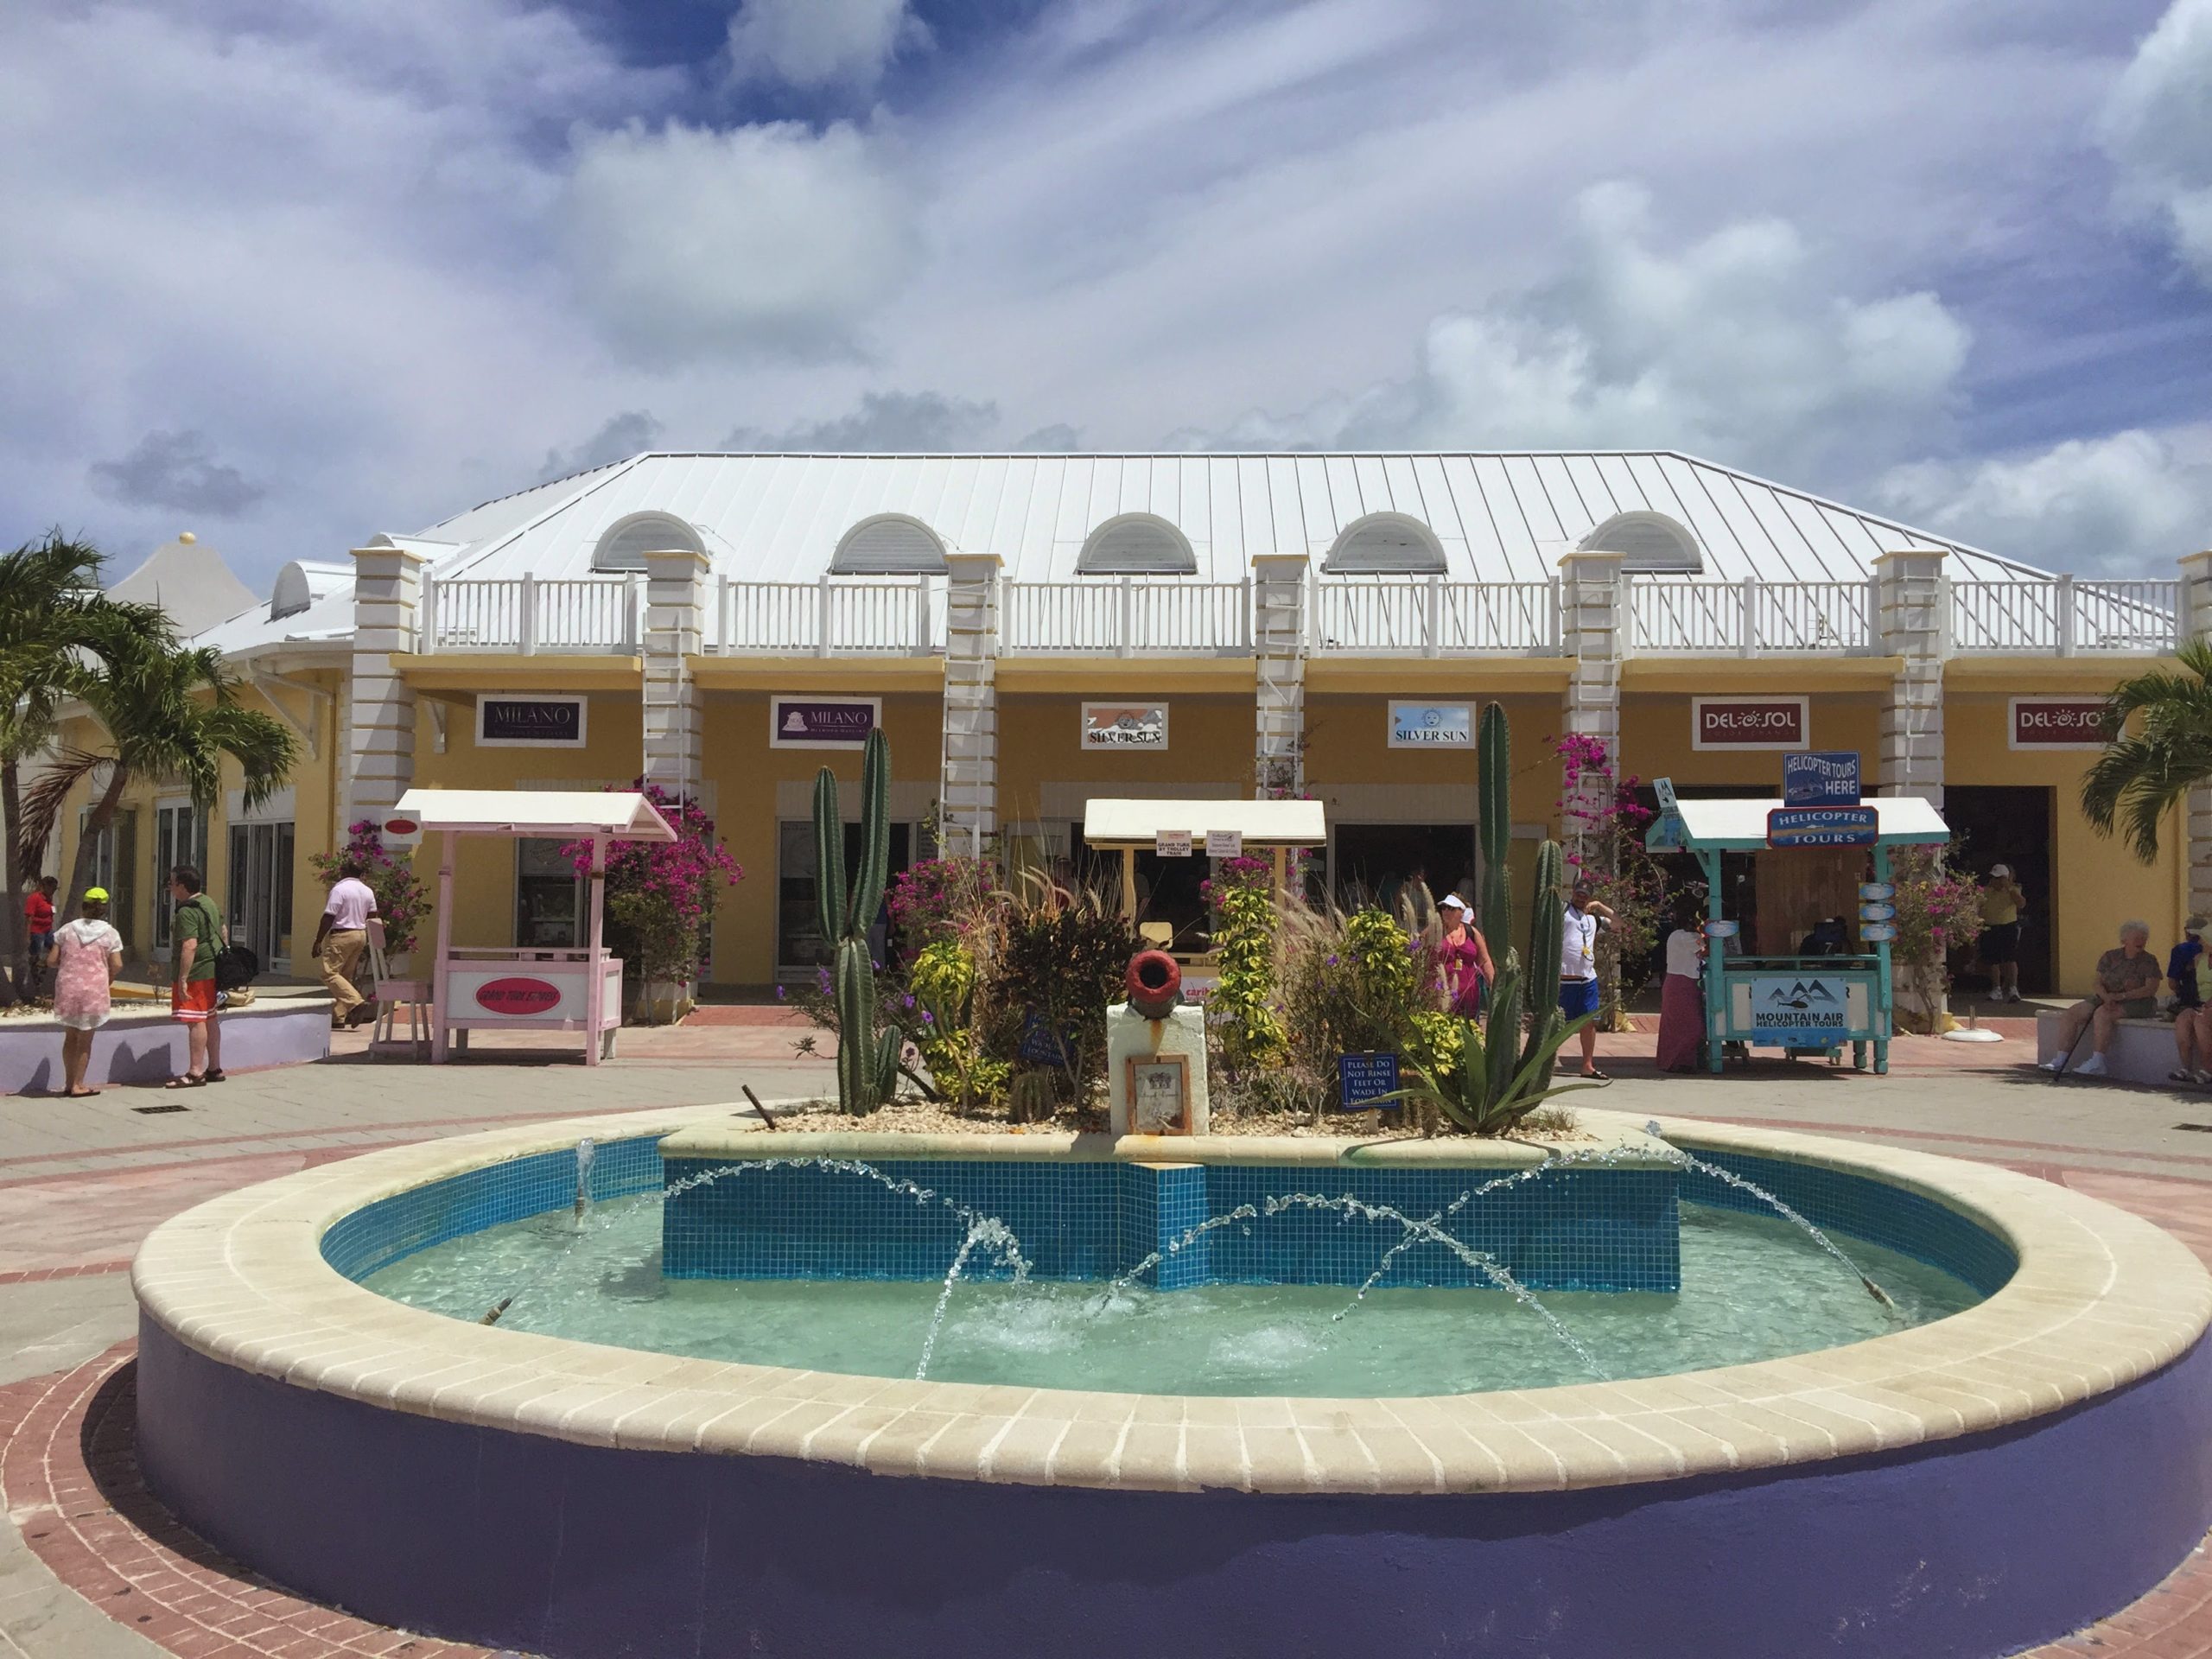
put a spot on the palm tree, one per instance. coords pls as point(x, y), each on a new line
point(49, 601)
point(2142, 775)
point(170, 714)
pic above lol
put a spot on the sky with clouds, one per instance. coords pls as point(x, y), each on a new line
point(288, 276)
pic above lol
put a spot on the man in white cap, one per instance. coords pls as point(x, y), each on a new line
point(2002, 901)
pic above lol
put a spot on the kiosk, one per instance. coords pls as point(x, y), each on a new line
point(1798, 1003)
point(1254, 828)
point(526, 989)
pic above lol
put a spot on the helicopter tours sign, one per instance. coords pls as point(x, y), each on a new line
point(1799, 1009)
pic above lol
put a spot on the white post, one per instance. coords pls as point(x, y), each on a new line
point(440, 970)
point(671, 703)
point(1913, 605)
point(595, 978)
point(1594, 602)
point(2063, 609)
point(822, 617)
point(1748, 643)
point(922, 616)
point(526, 615)
point(723, 626)
point(428, 640)
point(1125, 624)
point(968, 761)
point(1432, 617)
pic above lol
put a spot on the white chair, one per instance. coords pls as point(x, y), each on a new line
point(390, 994)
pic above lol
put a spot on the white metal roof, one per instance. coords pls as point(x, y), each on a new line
point(1498, 517)
point(1897, 818)
point(623, 815)
point(1263, 823)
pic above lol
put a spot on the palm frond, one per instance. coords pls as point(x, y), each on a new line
point(43, 799)
point(2161, 749)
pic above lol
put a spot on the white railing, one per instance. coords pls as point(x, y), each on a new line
point(531, 614)
point(1748, 618)
point(2060, 615)
point(1427, 616)
point(888, 617)
point(1126, 617)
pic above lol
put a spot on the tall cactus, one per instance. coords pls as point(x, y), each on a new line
point(1494, 824)
point(1547, 940)
point(868, 1060)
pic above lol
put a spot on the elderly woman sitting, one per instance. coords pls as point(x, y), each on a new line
point(2128, 988)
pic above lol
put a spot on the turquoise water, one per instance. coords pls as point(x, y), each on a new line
point(1752, 1288)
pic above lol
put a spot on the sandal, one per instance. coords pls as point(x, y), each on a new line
point(1594, 1077)
point(215, 1075)
point(2180, 1074)
point(78, 1094)
point(189, 1080)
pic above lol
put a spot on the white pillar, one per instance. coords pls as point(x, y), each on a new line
point(380, 747)
point(970, 772)
point(2196, 621)
point(1913, 604)
point(1593, 620)
point(1279, 585)
point(676, 589)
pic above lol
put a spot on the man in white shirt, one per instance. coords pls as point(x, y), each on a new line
point(341, 938)
point(1577, 968)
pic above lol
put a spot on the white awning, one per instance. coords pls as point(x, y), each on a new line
point(619, 815)
point(1263, 823)
point(1899, 820)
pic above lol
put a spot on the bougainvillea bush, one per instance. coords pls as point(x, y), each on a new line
point(402, 899)
point(940, 900)
point(661, 896)
point(1939, 911)
point(1604, 819)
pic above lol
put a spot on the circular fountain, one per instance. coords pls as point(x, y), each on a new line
point(1680, 1388)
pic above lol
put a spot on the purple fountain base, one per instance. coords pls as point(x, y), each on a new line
point(146, 1045)
point(1973, 1547)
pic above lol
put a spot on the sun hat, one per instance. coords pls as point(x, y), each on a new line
point(2000, 872)
point(96, 895)
point(1452, 901)
point(2194, 925)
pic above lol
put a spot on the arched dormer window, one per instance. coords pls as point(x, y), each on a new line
point(627, 540)
point(1385, 543)
point(1650, 543)
point(1137, 544)
point(889, 544)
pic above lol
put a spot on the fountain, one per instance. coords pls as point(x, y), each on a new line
point(1629, 1396)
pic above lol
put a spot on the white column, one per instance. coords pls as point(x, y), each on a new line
point(1913, 604)
point(380, 746)
point(1593, 620)
point(970, 773)
point(676, 591)
point(2196, 621)
point(1279, 584)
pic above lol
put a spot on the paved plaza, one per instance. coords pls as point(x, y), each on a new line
point(90, 1564)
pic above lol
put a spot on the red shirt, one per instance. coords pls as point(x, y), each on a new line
point(38, 911)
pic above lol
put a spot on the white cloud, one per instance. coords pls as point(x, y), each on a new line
point(821, 42)
point(1736, 346)
point(2158, 125)
point(2132, 502)
point(770, 239)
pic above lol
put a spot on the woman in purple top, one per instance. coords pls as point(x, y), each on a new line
point(1463, 964)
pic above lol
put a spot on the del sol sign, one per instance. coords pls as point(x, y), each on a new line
point(530, 722)
point(2058, 723)
point(1750, 722)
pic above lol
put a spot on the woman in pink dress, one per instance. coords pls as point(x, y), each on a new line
point(86, 954)
point(1463, 962)
point(1682, 996)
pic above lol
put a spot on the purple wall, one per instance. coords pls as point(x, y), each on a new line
point(151, 1047)
point(1970, 1548)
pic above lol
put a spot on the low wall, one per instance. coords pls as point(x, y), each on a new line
point(2142, 1050)
point(147, 1045)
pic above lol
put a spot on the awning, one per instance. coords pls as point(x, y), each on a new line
point(619, 815)
point(1900, 820)
point(1263, 823)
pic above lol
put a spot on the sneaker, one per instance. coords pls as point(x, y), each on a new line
point(2092, 1067)
point(2053, 1062)
point(2201, 1078)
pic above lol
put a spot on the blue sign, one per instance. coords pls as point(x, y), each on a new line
point(1807, 1010)
point(1821, 778)
point(1821, 826)
point(1040, 1047)
point(1882, 913)
point(1362, 1079)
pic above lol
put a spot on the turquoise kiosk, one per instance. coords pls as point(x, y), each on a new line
point(1802, 1004)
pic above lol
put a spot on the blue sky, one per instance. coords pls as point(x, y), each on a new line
point(288, 276)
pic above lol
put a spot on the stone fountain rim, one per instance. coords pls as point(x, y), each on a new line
point(2101, 1298)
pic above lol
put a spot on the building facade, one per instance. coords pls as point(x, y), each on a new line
point(1033, 631)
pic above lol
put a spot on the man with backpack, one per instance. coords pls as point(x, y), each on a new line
point(196, 938)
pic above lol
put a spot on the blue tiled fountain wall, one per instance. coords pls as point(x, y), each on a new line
point(1574, 1229)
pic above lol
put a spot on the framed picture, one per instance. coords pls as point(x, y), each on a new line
point(1159, 1094)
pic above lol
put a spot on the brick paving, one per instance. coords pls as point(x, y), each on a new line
point(75, 1196)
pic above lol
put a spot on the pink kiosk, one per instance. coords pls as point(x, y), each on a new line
point(526, 989)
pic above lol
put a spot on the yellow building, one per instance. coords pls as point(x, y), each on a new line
point(1033, 631)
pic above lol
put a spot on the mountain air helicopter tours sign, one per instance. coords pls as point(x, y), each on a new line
point(1801, 1010)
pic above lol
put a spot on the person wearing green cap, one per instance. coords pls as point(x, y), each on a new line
point(85, 955)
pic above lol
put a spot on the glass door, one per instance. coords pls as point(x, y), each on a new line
point(548, 896)
point(180, 837)
point(261, 891)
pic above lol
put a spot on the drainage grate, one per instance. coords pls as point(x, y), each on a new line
point(2201, 1128)
point(151, 1111)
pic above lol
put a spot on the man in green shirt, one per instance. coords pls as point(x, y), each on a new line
point(195, 938)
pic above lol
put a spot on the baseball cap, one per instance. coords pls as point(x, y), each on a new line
point(1999, 871)
point(98, 895)
point(2194, 925)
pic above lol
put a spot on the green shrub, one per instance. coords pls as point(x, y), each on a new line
point(941, 983)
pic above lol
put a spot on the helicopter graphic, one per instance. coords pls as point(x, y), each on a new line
point(1801, 993)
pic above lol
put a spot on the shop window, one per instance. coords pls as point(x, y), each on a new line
point(625, 543)
point(1137, 544)
point(180, 837)
point(887, 546)
point(114, 865)
point(799, 945)
point(1650, 543)
point(548, 896)
point(260, 892)
point(1387, 544)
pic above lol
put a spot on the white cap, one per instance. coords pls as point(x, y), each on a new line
point(1452, 901)
point(2001, 871)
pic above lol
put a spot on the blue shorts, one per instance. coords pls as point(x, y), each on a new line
point(1578, 997)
